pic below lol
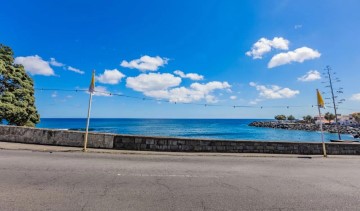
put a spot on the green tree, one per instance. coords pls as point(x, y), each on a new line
point(356, 117)
point(308, 118)
point(280, 117)
point(329, 116)
point(291, 118)
point(17, 101)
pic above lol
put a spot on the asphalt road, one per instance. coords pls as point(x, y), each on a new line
point(99, 181)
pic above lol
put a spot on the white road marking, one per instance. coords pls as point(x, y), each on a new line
point(166, 175)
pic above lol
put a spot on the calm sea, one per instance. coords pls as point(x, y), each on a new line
point(230, 129)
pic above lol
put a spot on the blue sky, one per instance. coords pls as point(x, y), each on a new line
point(244, 53)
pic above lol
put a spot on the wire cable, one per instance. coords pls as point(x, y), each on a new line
point(183, 103)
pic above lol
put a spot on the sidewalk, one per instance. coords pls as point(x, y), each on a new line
point(50, 148)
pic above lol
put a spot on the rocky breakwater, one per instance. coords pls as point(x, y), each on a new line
point(355, 131)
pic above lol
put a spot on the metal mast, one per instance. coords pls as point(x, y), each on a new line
point(333, 96)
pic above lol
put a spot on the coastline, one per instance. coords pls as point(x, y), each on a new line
point(352, 130)
point(224, 129)
point(168, 144)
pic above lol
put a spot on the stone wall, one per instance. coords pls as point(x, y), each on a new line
point(54, 137)
point(170, 144)
point(198, 145)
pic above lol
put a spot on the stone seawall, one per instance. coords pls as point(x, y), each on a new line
point(198, 145)
point(54, 137)
point(169, 144)
point(308, 127)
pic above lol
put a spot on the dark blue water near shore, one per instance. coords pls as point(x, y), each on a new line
point(230, 129)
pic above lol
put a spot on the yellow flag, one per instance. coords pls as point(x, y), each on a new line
point(320, 100)
point(92, 84)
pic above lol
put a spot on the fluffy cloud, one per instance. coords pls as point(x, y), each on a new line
point(101, 91)
point(55, 63)
point(355, 97)
point(256, 101)
point(298, 55)
point(233, 97)
point(195, 92)
point(152, 81)
point(110, 77)
point(312, 75)
point(263, 46)
point(161, 86)
point(145, 63)
point(192, 76)
point(35, 65)
point(274, 91)
point(75, 70)
point(210, 86)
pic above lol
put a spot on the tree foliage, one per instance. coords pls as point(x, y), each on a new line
point(308, 118)
point(329, 116)
point(356, 117)
point(280, 117)
point(291, 118)
point(17, 101)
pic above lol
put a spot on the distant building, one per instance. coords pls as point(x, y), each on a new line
point(318, 120)
point(347, 120)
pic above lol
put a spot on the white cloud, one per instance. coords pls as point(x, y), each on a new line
point(298, 55)
point(233, 97)
point(256, 101)
point(312, 75)
point(252, 84)
point(196, 92)
point(192, 76)
point(161, 86)
point(35, 65)
point(145, 63)
point(152, 81)
point(110, 77)
point(355, 97)
point(101, 91)
point(274, 91)
point(75, 70)
point(263, 46)
point(55, 63)
point(210, 86)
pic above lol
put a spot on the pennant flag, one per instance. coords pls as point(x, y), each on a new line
point(92, 84)
point(320, 100)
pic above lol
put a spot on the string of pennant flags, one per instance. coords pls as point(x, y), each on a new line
point(184, 103)
point(92, 91)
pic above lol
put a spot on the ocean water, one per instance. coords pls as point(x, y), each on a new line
point(225, 129)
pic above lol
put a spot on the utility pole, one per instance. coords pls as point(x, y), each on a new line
point(91, 92)
point(329, 74)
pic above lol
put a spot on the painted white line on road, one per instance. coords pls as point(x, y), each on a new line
point(166, 175)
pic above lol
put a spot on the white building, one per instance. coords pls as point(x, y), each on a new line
point(347, 120)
